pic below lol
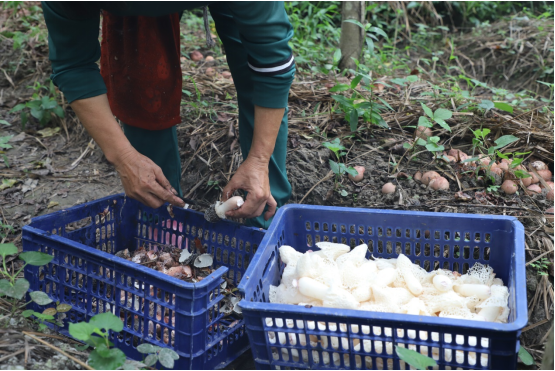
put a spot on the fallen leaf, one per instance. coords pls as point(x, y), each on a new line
point(50, 311)
point(18, 138)
point(463, 197)
point(48, 132)
point(203, 261)
point(29, 185)
point(52, 204)
point(7, 183)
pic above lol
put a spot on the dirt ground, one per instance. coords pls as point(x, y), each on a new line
point(54, 172)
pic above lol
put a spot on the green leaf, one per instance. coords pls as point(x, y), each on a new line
point(103, 350)
point(353, 119)
point(433, 147)
point(27, 313)
point(42, 316)
point(151, 360)
point(107, 321)
point(352, 171)
point(19, 289)
point(412, 78)
point(486, 104)
point(378, 31)
point(420, 142)
point(442, 113)
point(521, 174)
point(340, 88)
point(37, 113)
point(370, 45)
point(4, 122)
point(427, 111)
point(147, 348)
point(406, 145)
point(167, 357)
point(502, 155)
point(18, 108)
point(35, 258)
point(40, 298)
point(7, 249)
point(433, 139)
point(355, 81)
point(24, 118)
point(505, 140)
point(423, 121)
point(59, 111)
point(115, 358)
point(334, 167)
point(342, 100)
point(442, 123)
point(81, 331)
point(344, 193)
point(503, 106)
point(6, 287)
point(516, 162)
point(62, 308)
point(414, 359)
point(337, 56)
point(133, 365)
point(354, 21)
point(470, 159)
point(334, 145)
point(525, 357)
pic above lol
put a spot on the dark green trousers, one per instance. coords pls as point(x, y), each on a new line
point(161, 146)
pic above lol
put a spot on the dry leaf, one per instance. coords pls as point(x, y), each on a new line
point(48, 132)
point(7, 183)
point(52, 204)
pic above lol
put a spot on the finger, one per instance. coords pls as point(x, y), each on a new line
point(253, 207)
point(228, 190)
point(163, 181)
point(272, 206)
point(164, 194)
point(146, 199)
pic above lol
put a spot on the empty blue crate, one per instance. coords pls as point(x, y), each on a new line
point(279, 334)
point(155, 308)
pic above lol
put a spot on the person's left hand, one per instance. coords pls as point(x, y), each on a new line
point(251, 176)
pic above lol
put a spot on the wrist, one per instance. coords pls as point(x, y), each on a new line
point(118, 155)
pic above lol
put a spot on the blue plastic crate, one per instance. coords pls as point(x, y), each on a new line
point(278, 333)
point(184, 316)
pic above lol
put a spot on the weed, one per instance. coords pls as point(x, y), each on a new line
point(95, 334)
point(339, 168)
point(43, 107)
point(414, 358)
point(541, 266)
point(13, 288)
point(51, 315)
point(165, 356)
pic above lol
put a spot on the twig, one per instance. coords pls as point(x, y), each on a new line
point(328, 176)
point(13, 355)
point(83, 364)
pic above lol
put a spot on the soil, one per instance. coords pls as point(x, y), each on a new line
point(49, 179)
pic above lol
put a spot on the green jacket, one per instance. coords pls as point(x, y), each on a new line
point(263, 26)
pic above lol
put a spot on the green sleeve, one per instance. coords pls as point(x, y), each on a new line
point(265, 31)
point(74, 50)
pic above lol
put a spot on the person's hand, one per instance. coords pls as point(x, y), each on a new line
point(251, 176)
point(144, 181)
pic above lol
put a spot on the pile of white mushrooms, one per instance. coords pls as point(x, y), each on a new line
point(338, 277)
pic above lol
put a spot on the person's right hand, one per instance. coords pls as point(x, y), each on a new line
point(144, 181)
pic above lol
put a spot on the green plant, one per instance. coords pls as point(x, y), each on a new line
point(358, 105)
point(95, 334)
point(414, 359)
point(541, 266)
point(52, 315)
point(13, 288)
point(4, 142)
point(492, 188)
point(339, 168)
point(213, 183)
point(43, 107)
point(165, 356)
point(4, 230)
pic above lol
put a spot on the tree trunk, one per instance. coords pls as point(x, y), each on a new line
point(352, 36)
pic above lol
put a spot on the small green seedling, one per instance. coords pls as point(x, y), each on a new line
point(95, 334)
point(439, 116)
point(541, 266)
point(339, 168)
point(13, 288)
point(165, 356)
point(414, 359)
point(41, 107)
point(52, 315)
